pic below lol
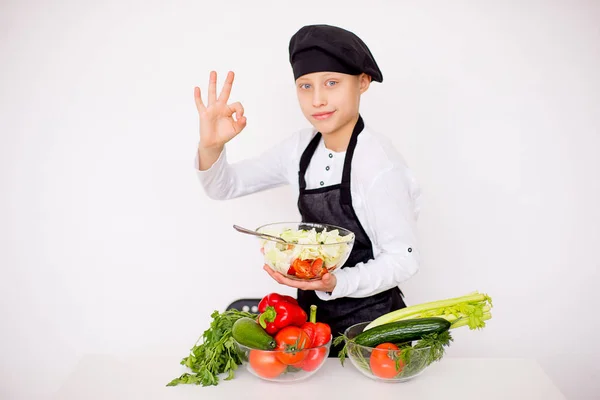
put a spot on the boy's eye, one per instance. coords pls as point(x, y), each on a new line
point(304, 85)
point(331, 83)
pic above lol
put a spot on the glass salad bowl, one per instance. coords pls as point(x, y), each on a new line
point(386, 364)
point(282, 365)
point(312, 249)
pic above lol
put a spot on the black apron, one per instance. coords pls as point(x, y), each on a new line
point(333, 205)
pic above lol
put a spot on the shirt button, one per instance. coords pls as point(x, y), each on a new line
point(322, 183)
point(327, 168)
point(410, 249)
point(330, 155)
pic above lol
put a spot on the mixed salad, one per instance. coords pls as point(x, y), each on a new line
point(308, 254)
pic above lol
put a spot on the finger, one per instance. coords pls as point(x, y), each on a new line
point(294, 283)
point(226, 91)
point(212, 88)
point(331, 282)
point(240, 124)
point(282, 280)
point(321, 284)
point(240, 121)
point(273, 274)
point(326, 280)
point(198, 98)
point(236, 108)
point(269, 270)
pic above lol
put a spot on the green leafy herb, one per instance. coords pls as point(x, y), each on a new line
point(342, 353)
point(217, 354)
point(415, 358)
point(359, 355)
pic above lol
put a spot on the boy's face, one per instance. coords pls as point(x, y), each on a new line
point(330, 100)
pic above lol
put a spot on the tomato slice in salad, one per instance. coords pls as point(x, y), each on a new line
point(302, 268)
point(307, 269)
point(317, 268)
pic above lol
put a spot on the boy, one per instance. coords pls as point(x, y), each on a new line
point(344, 173)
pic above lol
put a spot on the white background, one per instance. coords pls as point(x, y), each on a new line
point(108, 243)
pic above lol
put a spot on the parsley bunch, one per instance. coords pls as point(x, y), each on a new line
point(217, 354)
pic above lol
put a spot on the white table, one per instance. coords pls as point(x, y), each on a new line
point(108, 377)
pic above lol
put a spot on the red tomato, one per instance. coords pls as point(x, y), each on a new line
point(291, 342)
point(313, 359)
point(383, 361)
point(266, 364)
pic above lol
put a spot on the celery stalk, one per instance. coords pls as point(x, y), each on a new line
point(447, 313)
point(464, 321)
point(473, 305)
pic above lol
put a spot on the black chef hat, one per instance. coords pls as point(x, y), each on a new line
point(317, 48)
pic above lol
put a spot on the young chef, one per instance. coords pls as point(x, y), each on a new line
point(344, 173)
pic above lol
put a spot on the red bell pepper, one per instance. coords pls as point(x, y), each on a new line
point(278, 311)
point(320, 334)
point(272, 299)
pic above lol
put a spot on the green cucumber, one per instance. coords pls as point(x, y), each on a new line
point(248, 332)
point(402, 331)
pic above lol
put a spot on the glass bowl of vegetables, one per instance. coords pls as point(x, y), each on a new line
point(283, 365)
point(393, 362)
point(310, 249)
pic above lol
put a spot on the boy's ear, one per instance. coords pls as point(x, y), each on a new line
point(364, 81)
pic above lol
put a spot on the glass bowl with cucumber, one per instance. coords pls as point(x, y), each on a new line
point(287, 356)
point(397, 351)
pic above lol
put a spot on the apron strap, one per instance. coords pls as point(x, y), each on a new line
point(345, 196)
point(305, 159)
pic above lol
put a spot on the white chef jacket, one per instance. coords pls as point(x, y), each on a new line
point(385, 197)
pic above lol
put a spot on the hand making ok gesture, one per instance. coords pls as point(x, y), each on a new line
point(217, 125)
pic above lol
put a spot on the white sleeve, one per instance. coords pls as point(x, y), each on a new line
point(392, 211)
point(269, 170)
